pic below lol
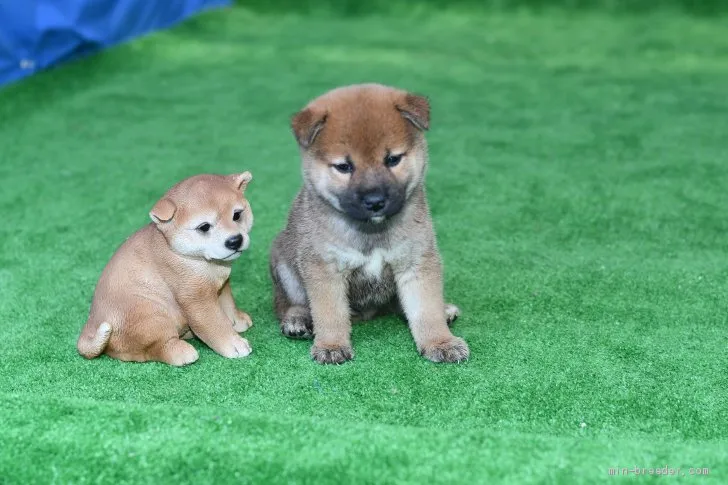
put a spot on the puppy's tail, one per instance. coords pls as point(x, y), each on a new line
point(90, 346)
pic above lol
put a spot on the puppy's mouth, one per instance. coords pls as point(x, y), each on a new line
point(232, 256)
point(379, 217)
point(371, 207)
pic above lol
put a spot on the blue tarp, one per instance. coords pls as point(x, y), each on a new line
point(38, 34)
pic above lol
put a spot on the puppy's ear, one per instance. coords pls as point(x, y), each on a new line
point(415, 109)
point(163, 211)
point(241, 180)
point(306, 125)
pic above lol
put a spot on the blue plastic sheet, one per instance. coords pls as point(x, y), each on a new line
point(38, 34)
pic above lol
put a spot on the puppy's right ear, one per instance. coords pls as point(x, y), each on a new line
point(163, 211)
point(307, 125)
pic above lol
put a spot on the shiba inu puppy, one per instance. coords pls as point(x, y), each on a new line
point(171, 279)
point(359, 239)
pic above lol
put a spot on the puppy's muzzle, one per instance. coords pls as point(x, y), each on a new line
point(374, 201)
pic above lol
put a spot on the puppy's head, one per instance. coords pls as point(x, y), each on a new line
point(206, 216)
point(363, 148)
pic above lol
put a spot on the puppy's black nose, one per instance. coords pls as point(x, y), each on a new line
point(234, 242)
point(374, 201)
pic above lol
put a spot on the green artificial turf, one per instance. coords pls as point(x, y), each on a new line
point(579, 186)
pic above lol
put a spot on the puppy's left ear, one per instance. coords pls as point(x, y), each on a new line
point(415, 109)
point(241, 180)
point(163, 211)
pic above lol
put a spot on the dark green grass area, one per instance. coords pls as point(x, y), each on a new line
point(700, 8)
point(579, 186)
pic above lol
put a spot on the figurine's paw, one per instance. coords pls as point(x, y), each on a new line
point(241, 321)
point(236, 348)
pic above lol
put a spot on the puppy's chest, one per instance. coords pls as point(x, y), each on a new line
point(370, 276)
point(371, 265)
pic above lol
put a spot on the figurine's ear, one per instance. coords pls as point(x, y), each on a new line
point(306, 126)
point(163, 211)
point(415, 109)
point(241, 180)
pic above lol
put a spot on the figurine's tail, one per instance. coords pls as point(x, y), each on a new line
point(90, 346)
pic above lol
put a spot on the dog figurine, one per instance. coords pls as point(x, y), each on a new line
point(359, 240)
point(171, 279)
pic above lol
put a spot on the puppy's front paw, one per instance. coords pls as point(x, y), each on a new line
point(297, 323)
point(238, 348)
point(453, 349)
point(332, 354)
point(241, 321)
point(451, 313)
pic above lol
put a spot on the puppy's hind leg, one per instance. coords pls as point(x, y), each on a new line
point(452, 313)
point(297, 323)
point(173, 351)
point(93, 342)
point(290, 303)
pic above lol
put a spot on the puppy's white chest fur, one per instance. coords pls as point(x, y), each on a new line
point(372, 263)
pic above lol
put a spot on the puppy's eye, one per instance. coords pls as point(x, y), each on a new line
point(344, 167)
point(393, 160)
point(237, 214)
point(204, 227)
